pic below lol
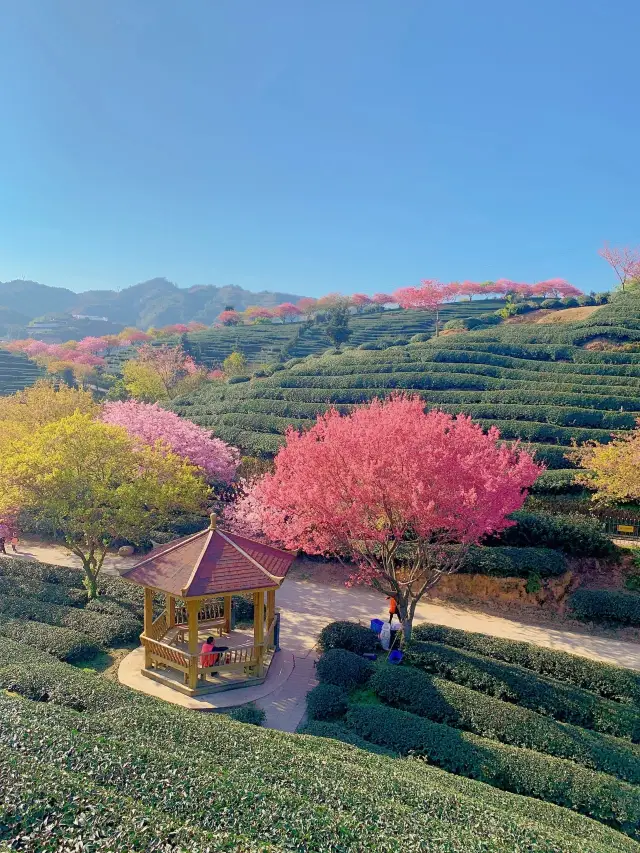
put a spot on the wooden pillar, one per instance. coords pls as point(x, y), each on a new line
point(271, 612)
point(148, 619)
point(171, 611)
point(193, 605)
point(227, 614)
point(258, 626)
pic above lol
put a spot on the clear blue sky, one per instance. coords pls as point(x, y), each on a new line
point(316, 145)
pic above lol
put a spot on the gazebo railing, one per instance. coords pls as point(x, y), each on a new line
point(158, 628)
point(166, 655)
point(228, 660)
point(210, 611)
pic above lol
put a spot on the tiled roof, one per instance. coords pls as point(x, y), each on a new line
point(211, 562)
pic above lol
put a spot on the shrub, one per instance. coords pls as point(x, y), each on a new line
point(573, 534)
point(45, 572)
point(347, 635)
point(551, 303)
point(250, 714)
point(521, 771)
point(458, 706)
point(516, 684)
point(556, 483)
point(52, 593)
point(63, 643)
point(336, 731)
point(612, 682)
point(101, 629)
point(513, 562)
point(606, 605)
point(344, 669)
point(326, 702)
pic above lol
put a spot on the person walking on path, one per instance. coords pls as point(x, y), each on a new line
point(3, 550)
point(14, 543)
point(393, 609)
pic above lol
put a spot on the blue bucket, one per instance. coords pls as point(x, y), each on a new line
point(395, 656)
point(376, 625)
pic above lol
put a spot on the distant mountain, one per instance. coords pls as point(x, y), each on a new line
point(156, 302)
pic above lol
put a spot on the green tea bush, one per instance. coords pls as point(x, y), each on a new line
point(520, 686)
point(63, 643)
point(347, 635)
point(605, 605)
point(556, 483)
point(344, 669)
point(513, 562)
point(573, 534)
point(30, 570)
point(612, 682)
point(101, 629)
point(249, 714)
point(521, 771)
point(447, 702)
point(326, 702)
point(51, 593)
point(336, 731)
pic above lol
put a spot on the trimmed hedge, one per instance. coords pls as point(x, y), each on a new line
point(326, 702)
point(249, 714)
point(573, 534)
point(343, 668)
point(63, 643)
point(446, 702)
point(606, 605)
point(49, 593)
point(612, 682)
point(336, 731)
point(513, 562)
point(101, 629)
point(516, 684)
point(347, 635)
point(28, 570)
point(303, 793)
point(510, 768)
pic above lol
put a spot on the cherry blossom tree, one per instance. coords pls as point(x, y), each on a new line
point(430, 296)
point(230, 318)
point(287, 311)
point(400, 493)
point(257, 314)
point(624, 260)
point(307, 306)
point(151, 424)
point(382, 299)
point(360, 301)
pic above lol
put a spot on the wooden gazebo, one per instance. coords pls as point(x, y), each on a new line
point(198, 575)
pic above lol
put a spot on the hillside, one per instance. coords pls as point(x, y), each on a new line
point(535, 382)
point(16, 372)
point(156, 302)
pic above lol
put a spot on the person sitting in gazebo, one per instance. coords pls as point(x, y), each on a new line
point(207, 658)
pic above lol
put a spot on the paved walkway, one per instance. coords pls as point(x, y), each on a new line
point(307, 606)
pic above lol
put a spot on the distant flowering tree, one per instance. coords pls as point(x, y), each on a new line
point(360, 301)
point(230, 318)
point(401, 493)
point(287, 311)
point(150, 423)
point(307, 306)
point(430, 296)
point(161, 371)
point(624, 260)
point(258, 314)
point(382, 299)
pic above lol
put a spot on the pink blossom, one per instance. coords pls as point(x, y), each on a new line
point(150, 423)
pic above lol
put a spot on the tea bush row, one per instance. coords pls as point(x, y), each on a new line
point(521, 771)
point(612, 682)
point(446, 702)
point(518, 685)
point(606, 605)
point(63, 643)
point(576, 535)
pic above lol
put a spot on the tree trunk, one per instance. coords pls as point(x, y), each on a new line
point(90, 581)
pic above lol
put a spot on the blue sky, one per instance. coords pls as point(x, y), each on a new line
point(316, 145)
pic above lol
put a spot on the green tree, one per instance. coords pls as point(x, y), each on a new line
point(337, 328)
point(235, 364)
point(95, 484)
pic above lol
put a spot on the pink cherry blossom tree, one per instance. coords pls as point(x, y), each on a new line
point(430, 296)
point(307, 306)
point(230, 318)
point(624, 260)
point(400, 493)
point(151, 424)
point(382, 299)
point(287, 311)
point(360, 301)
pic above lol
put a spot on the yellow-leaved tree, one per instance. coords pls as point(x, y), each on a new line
point(95, 484)
point(612, 470)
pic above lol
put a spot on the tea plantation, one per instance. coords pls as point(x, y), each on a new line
point(16, 372)
point(534, 382)
point(87, 764)
point(530, 721)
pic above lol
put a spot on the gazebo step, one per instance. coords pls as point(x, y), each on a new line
point(203, 687)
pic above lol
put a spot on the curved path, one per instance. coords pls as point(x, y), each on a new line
point(308, 605)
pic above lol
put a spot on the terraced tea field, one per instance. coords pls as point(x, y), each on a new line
point(534, 382)
point(16, 372)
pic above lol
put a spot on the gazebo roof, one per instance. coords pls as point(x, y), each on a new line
point(211, 562)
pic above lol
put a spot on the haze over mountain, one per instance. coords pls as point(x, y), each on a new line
point(156, 302)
